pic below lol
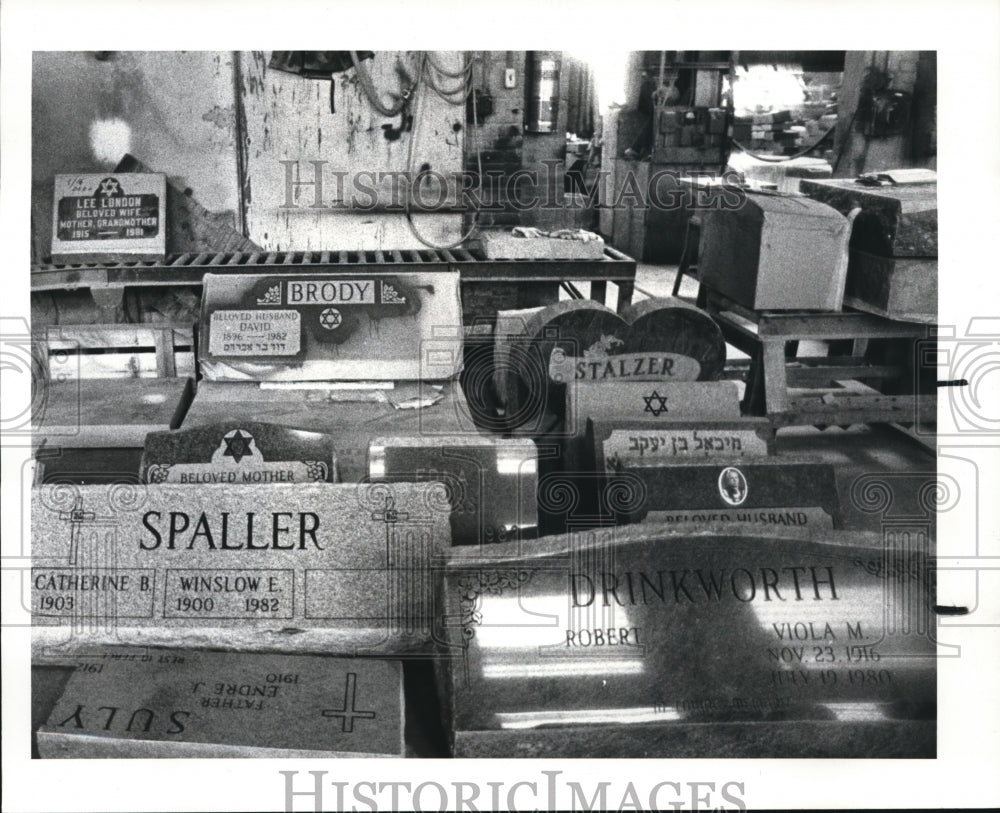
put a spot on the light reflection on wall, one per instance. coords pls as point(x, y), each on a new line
point(110, 139)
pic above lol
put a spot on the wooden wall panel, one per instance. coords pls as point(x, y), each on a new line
point(288, 118)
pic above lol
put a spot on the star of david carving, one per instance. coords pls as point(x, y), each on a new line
point(330, 318)
point(659, 408)
point(109, 186)
point(237, 446)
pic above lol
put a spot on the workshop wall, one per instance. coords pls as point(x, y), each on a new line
point(221, 123)
point(288, 118)
point(915, 143)
point(173, 110)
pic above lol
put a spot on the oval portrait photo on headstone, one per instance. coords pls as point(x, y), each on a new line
point(732, 486)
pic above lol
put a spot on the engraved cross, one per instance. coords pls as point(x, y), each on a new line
point(76, 516)
point(349, 712)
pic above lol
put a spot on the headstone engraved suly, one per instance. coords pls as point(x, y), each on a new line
point(109, 216)
point(238, 452)
point(331, 326)
point(491, 482)
point(579, 341)
point(124, 702)
point(310, 567)
point(779, 492)
point(645, 642)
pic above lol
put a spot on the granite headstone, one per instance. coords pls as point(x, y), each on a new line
point(644, 642)
point(287, 568)
point(770, 492)
point(146, 703)
point(580, 341)
point(104, 217)
point(331, 326)
point(491, 482)
point(238, 452)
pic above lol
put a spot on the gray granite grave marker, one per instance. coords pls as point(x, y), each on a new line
point(287, 568)
point(144, 703)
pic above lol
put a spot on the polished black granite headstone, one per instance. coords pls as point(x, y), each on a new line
point(490, 482)
point(780, 492)
point(645, 642)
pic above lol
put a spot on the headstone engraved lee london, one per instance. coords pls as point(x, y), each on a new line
point(331, 326)
point(147, 703)
point(643, 642)
point(491, 482)
point(103, 217)
point(238, 452)
point(309, 567)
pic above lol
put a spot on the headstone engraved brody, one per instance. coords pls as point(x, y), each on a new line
point(642, 642)
point(778, 492)
point(143, 703)
point(102, 217)
point(238, 453)
point(332, 326)
point(575, 342)
point(287, 568)
point(491, 482)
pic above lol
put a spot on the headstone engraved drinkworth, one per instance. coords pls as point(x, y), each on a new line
point(645, 642)
point(286, 568)
point(145, 703)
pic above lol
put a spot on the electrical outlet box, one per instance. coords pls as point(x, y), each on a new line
point(510, 78)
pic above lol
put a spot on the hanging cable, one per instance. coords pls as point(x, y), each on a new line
point(455, 95)
point(465, 71)
point(778, 159)
point(365, 80)
point(409, 170)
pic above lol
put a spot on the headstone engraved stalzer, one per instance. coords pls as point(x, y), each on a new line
point(106, 217)
point(126, 702)
point(238, 452)
point(491, 482)
point(307, 567)
point(643, 642)
point(580, 341)
point(331, 326)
